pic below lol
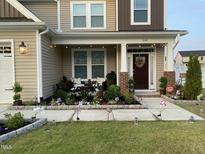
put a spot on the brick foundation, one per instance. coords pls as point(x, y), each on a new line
point(123, 82)
point(170, 76)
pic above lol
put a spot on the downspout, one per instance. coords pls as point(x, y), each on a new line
point(59, 15)
point(116, 14)
point(39, 62)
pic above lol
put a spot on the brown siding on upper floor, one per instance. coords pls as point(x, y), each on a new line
point(157, 16)
point(7, 11)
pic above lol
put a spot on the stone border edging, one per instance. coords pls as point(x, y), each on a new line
point(83, 107)
point(182, 101)
point(23, 130)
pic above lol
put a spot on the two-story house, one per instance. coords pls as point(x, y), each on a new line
point(181, 61)
point(42, 40)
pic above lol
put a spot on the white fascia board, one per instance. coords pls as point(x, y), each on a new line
point(121, 34)
point(21, 25)
point(23, 10)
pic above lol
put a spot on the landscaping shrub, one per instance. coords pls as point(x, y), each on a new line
point(163, 83)
point(112, 92)
point(193, 84)
point(129, 98)
point(61, 94)
point(14, 122)
point(111, 78)
point(17, 96)
point(65, 84)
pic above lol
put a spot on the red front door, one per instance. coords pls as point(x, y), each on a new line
point(141, 71)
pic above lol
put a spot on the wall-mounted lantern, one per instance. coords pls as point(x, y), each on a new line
point(22, 48)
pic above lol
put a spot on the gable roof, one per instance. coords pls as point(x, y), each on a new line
point(192, 52)
point(23, 10)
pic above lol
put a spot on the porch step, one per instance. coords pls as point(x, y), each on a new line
point(147, 94)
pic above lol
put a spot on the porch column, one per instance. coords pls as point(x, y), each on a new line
point(123, 76)
point(169, 72)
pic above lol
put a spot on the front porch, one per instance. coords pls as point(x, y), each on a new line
point(143, 63)
point(141, 56)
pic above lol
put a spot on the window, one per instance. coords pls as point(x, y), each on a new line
point(5, 48)
point(89, 64)
point(88, 15)
point(79, 15)
point(97, 15)
point(140, 12)
point(98, 64)
point(80, 64)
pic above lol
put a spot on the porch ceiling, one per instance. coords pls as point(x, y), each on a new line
point(115, 37)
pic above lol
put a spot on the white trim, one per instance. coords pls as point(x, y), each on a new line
point(23, 10)
point(117, 63)
point(38, 57)
point(88, 14)
point(13, 58)
point(39, 62)
point(123, 57)
point(116, 15)
point(89, 65)
point(165, 14)
point(150, 87)
point(148, 13)
point(59, 15)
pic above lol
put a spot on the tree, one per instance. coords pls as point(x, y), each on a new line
point(193, 85)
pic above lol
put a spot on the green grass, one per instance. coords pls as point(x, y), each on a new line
point(112, 138)
point(194, 108)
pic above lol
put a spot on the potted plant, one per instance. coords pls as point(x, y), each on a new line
point(131, 85)
point(163, 83)
point(17, 96)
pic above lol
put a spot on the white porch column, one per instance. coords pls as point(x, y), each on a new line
point(170, 57)
point(123, 58)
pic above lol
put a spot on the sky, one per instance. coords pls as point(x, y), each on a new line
point(188, 15)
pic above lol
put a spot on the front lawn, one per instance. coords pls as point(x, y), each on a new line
point(198, 109)
point(112, 138)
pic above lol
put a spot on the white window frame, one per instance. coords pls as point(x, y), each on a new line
point(88, 14)
point(89, 62)
point(148, 14)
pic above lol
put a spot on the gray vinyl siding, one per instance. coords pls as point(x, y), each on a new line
point(52, 69)
point(47, 12)
point(25, 65)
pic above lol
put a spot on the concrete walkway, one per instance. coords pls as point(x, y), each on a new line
point(171, 112)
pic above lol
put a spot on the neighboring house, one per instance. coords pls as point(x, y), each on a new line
point(181, 60)
point(83, 39)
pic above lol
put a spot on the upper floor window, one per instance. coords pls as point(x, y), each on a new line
point(140, 12)
point(88, 15)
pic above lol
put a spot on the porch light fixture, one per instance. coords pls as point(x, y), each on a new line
point(51, 46)
point(23, 48)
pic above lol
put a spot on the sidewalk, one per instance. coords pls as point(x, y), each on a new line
point(171, 112)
